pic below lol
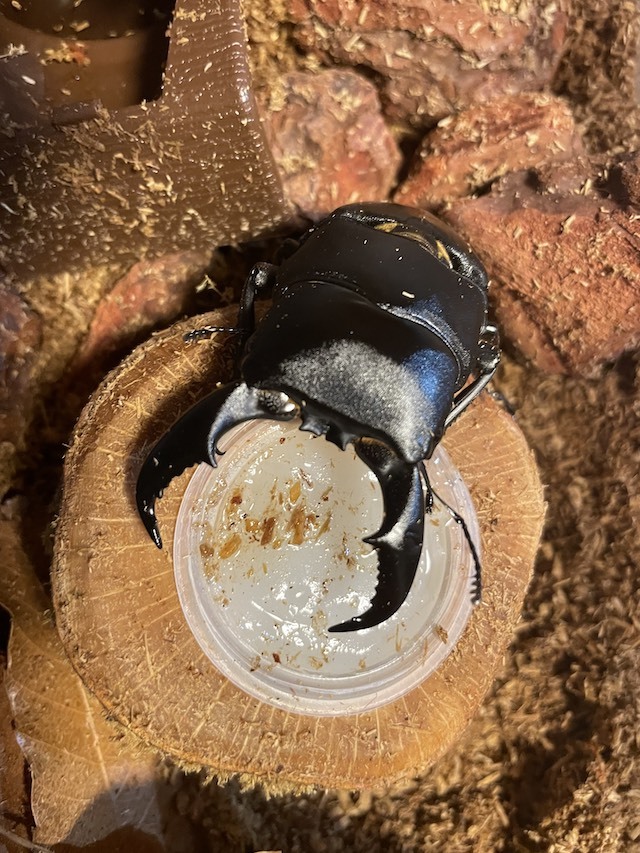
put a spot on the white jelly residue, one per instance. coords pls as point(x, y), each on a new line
point(270, 553)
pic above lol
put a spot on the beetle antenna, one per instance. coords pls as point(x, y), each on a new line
point(476, 586)
point(260, 278)
point(207, 332)
point(428, 501)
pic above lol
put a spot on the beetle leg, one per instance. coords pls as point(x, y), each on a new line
point(488, 360)
point(193, 439)
point(476, 584)
point(260, 278)
point(399, 540)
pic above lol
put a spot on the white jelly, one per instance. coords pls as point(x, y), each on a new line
point(269, 554)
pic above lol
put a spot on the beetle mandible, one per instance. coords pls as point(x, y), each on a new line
point(377, 335)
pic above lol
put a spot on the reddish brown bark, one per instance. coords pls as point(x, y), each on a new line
point(566, 270)
point(433, 59)
point(329, 140)
point(468, 150)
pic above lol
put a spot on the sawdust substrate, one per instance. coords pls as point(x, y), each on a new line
point(551, 762)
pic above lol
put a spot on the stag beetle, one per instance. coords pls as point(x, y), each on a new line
point(378, 322)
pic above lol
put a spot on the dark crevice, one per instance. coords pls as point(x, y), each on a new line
point(79, 31)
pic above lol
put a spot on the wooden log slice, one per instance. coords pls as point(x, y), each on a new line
point(122, 625)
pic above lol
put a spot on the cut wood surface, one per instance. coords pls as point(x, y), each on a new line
point(87, 783)
point(120, 619)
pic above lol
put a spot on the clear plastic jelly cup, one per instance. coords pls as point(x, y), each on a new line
point(269, 554)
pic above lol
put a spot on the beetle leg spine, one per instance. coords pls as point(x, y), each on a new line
point(476, 584)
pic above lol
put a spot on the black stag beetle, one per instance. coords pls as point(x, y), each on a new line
point(377, 335)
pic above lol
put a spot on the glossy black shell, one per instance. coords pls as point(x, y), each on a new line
point(377, 322)
point(374, 327)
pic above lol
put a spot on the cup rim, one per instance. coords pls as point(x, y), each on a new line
point(321, 694)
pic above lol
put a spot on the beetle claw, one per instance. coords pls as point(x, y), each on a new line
point(185, 445)
point(194, 439)
point(399, 540)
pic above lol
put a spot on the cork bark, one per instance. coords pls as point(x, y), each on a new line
point(120, 620)
point(466, 152)
point(564, 264)
point(433, 59)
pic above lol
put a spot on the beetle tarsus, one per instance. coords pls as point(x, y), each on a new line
point(476, 582)
point(398, 542)
point(207, 332)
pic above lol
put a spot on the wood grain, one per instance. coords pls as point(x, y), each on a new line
point(87, 781)
point(190, 170)
point(121, 622)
